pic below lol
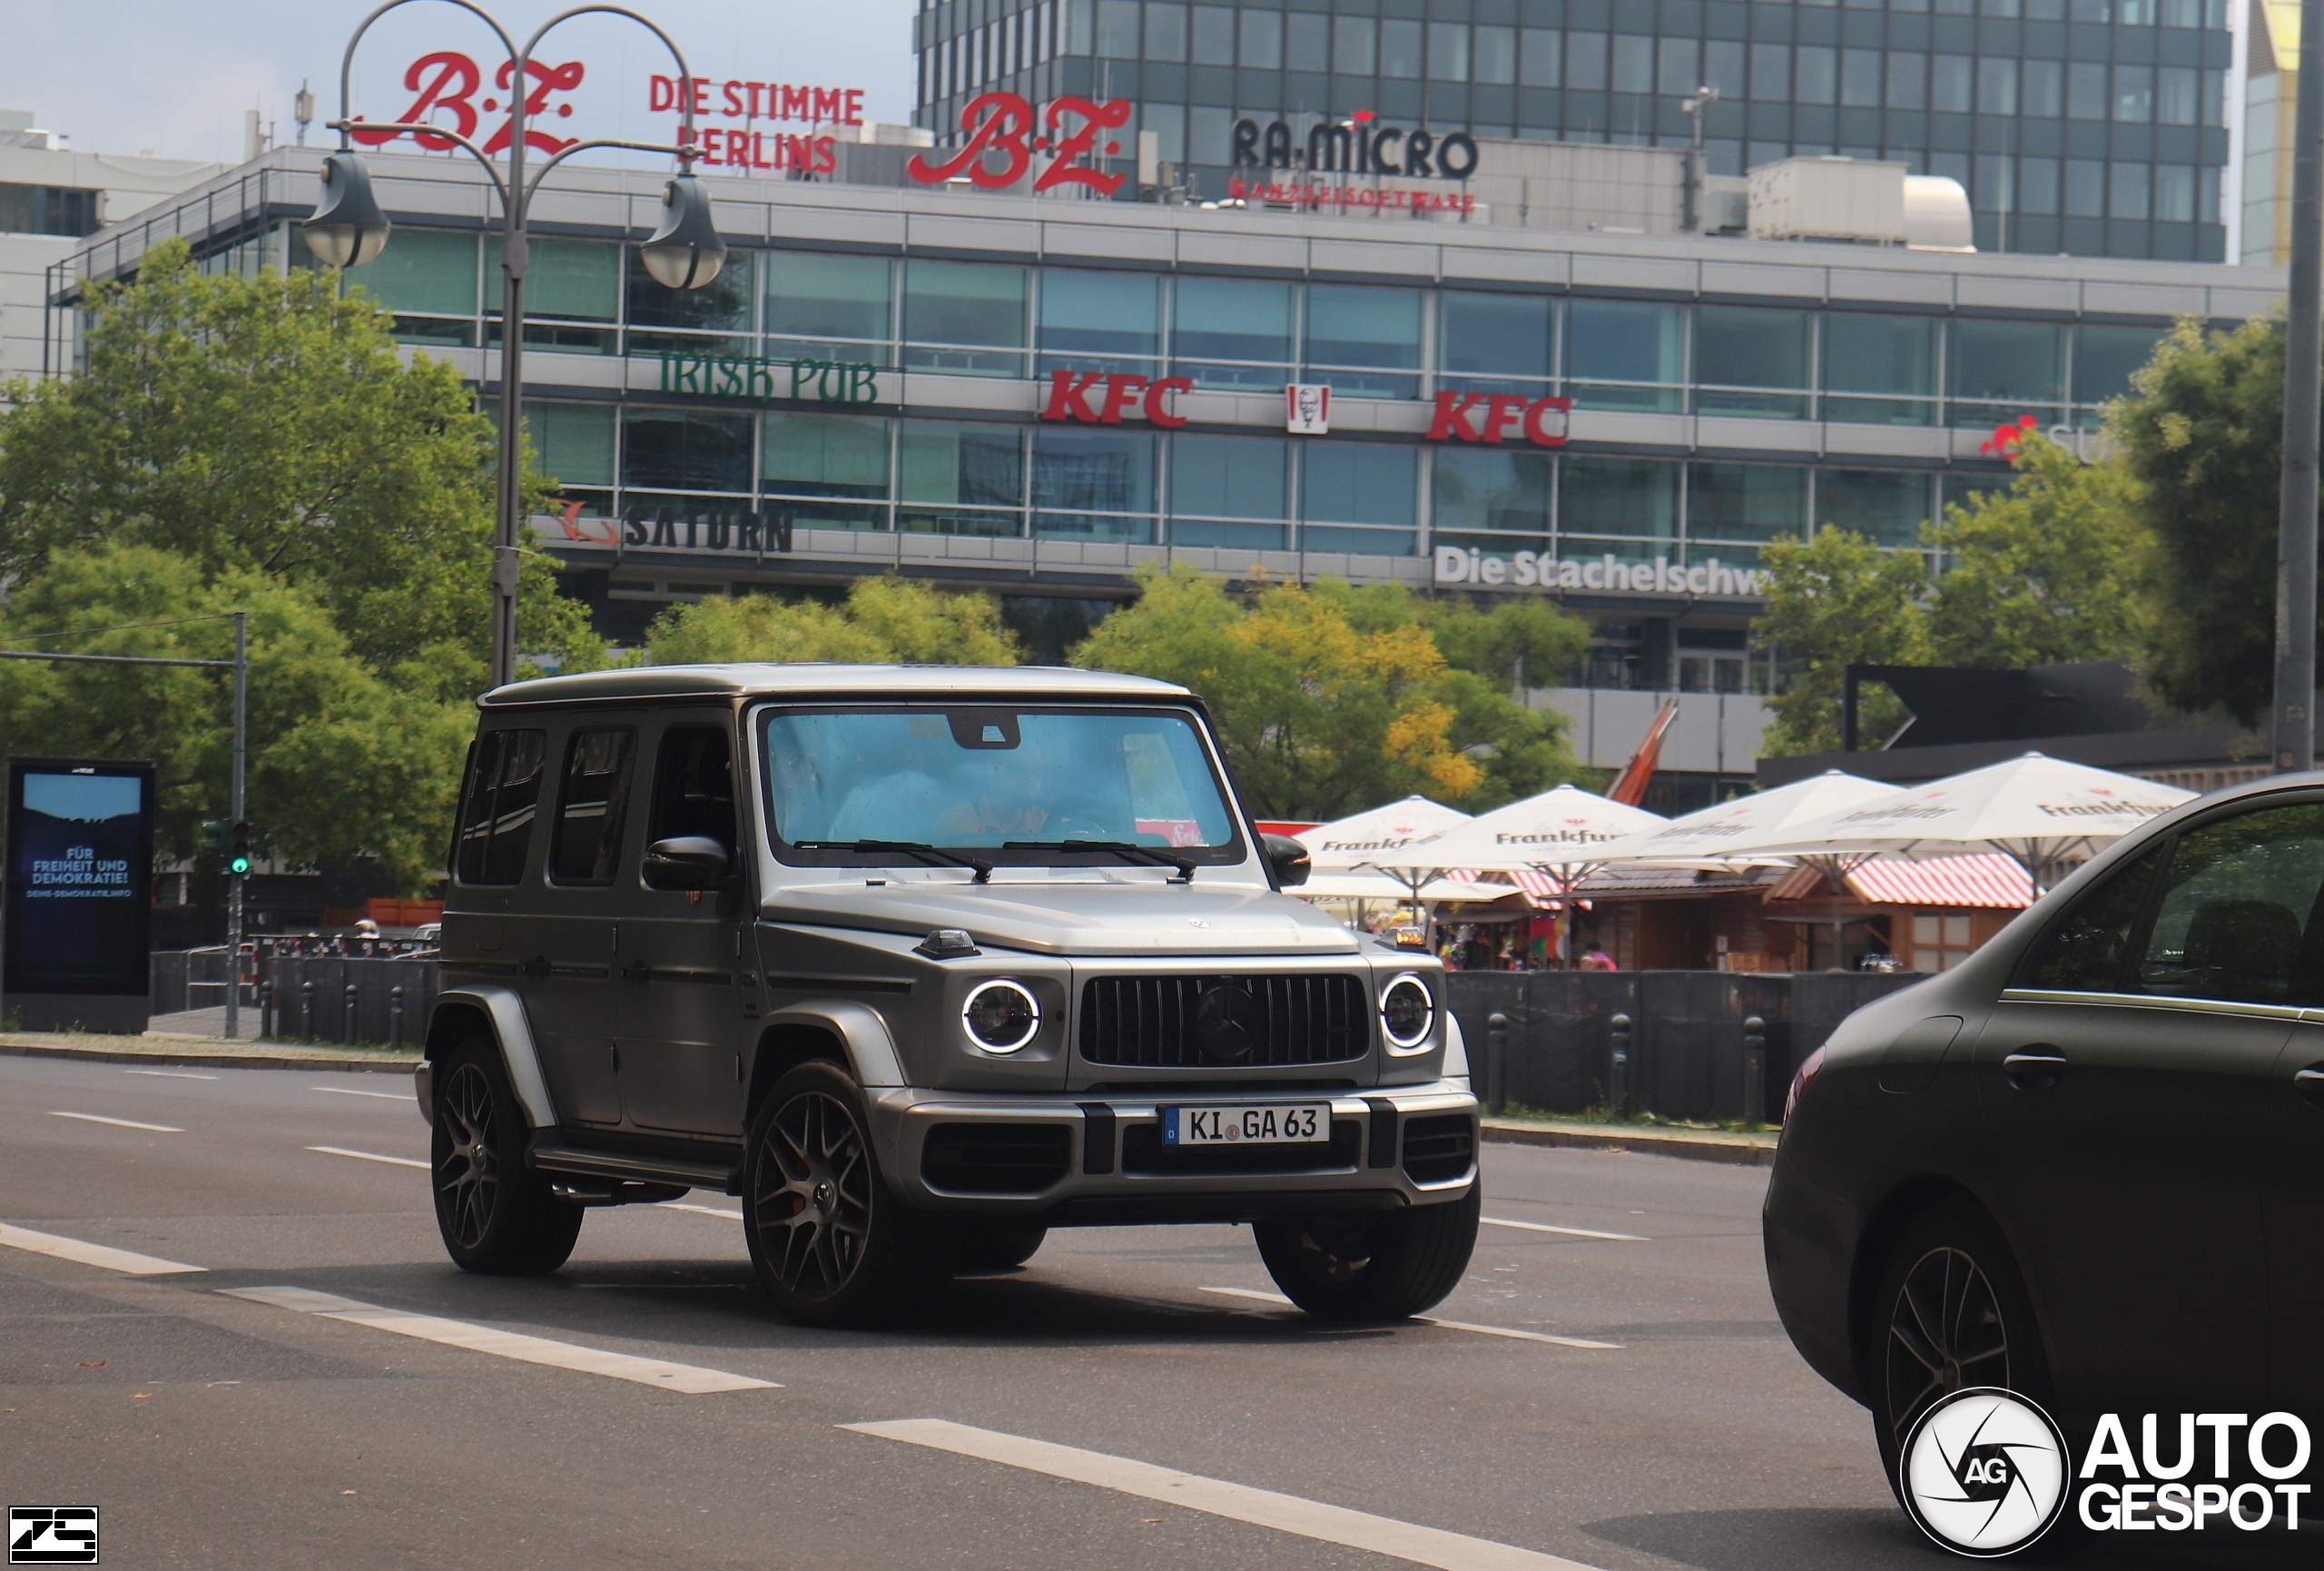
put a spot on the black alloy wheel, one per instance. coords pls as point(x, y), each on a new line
point(495, 1214)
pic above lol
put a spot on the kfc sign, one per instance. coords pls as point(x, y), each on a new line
point(1488, 416)
point(1307, 409)
point(1005, 137)
point(1100, 399)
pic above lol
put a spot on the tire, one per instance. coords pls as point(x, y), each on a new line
point(996, 1246)
point(1965, 1321)
point(831, 1243)
point(495, 1214)
point(1354, 1266)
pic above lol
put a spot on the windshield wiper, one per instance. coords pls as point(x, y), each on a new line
point(932, 855)
point(1152, 855)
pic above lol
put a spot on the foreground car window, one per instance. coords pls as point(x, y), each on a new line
point(2238, 901)
point(2090, 949)
point(975, 779)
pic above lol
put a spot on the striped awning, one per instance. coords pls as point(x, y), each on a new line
point(1542, 890)
point(1984, 880)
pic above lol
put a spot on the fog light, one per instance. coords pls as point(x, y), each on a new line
point(1000, 1016)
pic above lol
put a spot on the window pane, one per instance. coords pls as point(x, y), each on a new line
point(1634, 498)
point(959, 303)
point(1166, 30)
point(1744, 501)
point(1400, 48)
point(2174, 193)
point(2087, 951)
point(1100, 321)
point(1751, 347)
point(1487, 336)
point(572, 443)
point(1818, 73)
point(1448, 51)
point(577, 280)
point(694, 786)
point(1627, 340)
point(724, 305)
point(502, 803)
point(1229, 477)
point(2134, 93)
point(1496, 50)
point(1353, 326)
point(591, 806)
point(2037, 184)
point(2175, 95)
point(1093, 470)
point(2044, 88)
point(2236, 897)
point(1888, 507)
point(2086, 91)
point(1633, 64)
point(1262, 40)
point(1370, 489)
point(2085, 188)
point(1214, 32)
point(1234, 319)
point(1949, 81)
point(2104, 358)
point(425, 271)
point(1352, 46)
point(1484, 488)
point(1907, 81)
point(1306, 41)
point(1117, 28)
point(1860, 78)
point(1771, 72)
point(2010, 362)
point(2132, 184)
point(835, 456)
point(688, 451)
point(1585, 60)
point(1996, 85)
point(826, 297)
point(968, 465)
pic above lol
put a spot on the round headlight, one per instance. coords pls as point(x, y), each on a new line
point(1407, 1011)
point(1000, 1016)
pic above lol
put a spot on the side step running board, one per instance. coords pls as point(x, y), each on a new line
point(642, 1169)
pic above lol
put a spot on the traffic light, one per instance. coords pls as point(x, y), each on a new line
point(217, 835)
point(238, 861)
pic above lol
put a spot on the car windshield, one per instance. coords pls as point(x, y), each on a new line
point(1006, 785)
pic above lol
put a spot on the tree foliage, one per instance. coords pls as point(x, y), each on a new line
point(880, 619)
point(268, 424)
point(1836, 600)
point(1331, 699)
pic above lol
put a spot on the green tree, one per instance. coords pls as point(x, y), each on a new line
point(2202, 435)
point(2050, 569)
point(345, 765)
point(886, 618)
point(1331, 699)
point(1836, 600)
point(269, 424)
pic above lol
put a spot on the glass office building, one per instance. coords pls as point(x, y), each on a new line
point(2093, 127)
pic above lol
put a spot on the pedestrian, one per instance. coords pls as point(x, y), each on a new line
point(1595, 958)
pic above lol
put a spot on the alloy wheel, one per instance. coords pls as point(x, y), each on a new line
point(1946, 1334)
point(467, 1173)
point(813, 1201)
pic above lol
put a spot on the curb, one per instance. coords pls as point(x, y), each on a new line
point(336, 1064)
point(1730, 1152)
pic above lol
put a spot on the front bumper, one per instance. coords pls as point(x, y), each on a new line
point(1093, 1159)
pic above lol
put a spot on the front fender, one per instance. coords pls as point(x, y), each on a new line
point(504, 1012)
point(871, 1046)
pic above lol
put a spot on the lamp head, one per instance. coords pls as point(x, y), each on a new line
point(347, 228)
point(685, 251)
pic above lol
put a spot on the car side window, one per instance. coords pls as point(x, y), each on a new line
point(498, 808)
point(2089, 950)
point(591, 806)
point(693, 785)
point(2238, 916)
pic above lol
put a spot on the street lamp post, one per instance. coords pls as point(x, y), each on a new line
point(348, 228)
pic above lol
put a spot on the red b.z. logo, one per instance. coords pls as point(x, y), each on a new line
point(448, 81)
point(1003, 124)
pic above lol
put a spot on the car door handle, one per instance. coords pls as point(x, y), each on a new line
point(2310, 1082)
point(536, 966)
point(2032, 1067)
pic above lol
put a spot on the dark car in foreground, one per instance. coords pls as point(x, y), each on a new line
point(2087, 1163)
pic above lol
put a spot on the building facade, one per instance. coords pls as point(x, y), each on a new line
point(2270, 101)
point(2094, 127)
point(1037, 397)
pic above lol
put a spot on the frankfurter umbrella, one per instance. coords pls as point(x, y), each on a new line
point(1559, 834)
point(1375, 842)
point(1707, 837)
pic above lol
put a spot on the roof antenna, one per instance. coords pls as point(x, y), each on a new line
point(302, 110)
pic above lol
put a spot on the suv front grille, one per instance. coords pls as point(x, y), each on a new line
point(1215, 1021)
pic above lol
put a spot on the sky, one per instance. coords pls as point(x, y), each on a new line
point(175, 77)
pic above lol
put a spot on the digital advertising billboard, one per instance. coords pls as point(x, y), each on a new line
point(79, 860)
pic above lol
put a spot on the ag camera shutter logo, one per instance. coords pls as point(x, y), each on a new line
point(1984, 1472)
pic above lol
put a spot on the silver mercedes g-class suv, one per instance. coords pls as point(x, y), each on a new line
point(921, 962)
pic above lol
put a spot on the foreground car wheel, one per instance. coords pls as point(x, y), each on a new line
point(1951, 1313)
point(495, 1214)
point(1372, 1265)
point(829, 1244)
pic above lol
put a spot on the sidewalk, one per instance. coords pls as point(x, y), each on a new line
point(214, 1052)
point(1737, 1148)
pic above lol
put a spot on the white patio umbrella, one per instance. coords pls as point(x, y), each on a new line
point(1706, 837)
point(1558, 834)
point(1375, 842)
point(1381, 886)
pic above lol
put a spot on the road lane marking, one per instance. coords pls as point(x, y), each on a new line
point(368, 1156)
point(119, 1122)
point(1509, 1331)
point(1569, 1232)
point(1216, 1497)
point(688, 1379)
point(125, 1261)
point(703, 1210)
point(349, 1091)
point(170, 1074)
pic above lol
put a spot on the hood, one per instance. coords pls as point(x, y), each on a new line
point(1080, 916)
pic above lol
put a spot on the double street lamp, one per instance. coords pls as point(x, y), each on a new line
point(348, 228)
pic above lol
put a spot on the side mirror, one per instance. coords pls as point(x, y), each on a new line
point(686, 861)
point(1287, 857)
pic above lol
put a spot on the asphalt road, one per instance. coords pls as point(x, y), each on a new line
point(1069, 1399)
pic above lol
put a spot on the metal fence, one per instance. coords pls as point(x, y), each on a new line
point(307, 998)
point(1679, 1043)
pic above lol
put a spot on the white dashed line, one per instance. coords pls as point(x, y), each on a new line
point(349, 1091)
point(1567, 1232)
point(1214, 1496)
point(170, 1074)
point(685, 1378)
point(368, 1156)
point(1509, 1331)
point(700, 1210)
point(125, 1261)
point(119, 1122)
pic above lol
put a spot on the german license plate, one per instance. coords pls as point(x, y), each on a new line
point(1271, 1123)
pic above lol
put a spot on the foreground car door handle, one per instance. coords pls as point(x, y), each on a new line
point(2032, 1067)
point(2310, 1082)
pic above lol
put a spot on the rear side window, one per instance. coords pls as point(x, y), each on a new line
point(693, 785)
point(2090, 949)
point(2237, 911)
point(499, 806)
point(592, 807)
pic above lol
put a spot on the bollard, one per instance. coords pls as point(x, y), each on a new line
point(1755, 1070)
point(266, 1010)
point(306, 1010)
point(347, 1016)
point(1496, 1062)
point(1620, 1091)
point(395, 1015)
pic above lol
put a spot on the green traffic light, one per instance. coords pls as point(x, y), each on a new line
point(239, 867)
